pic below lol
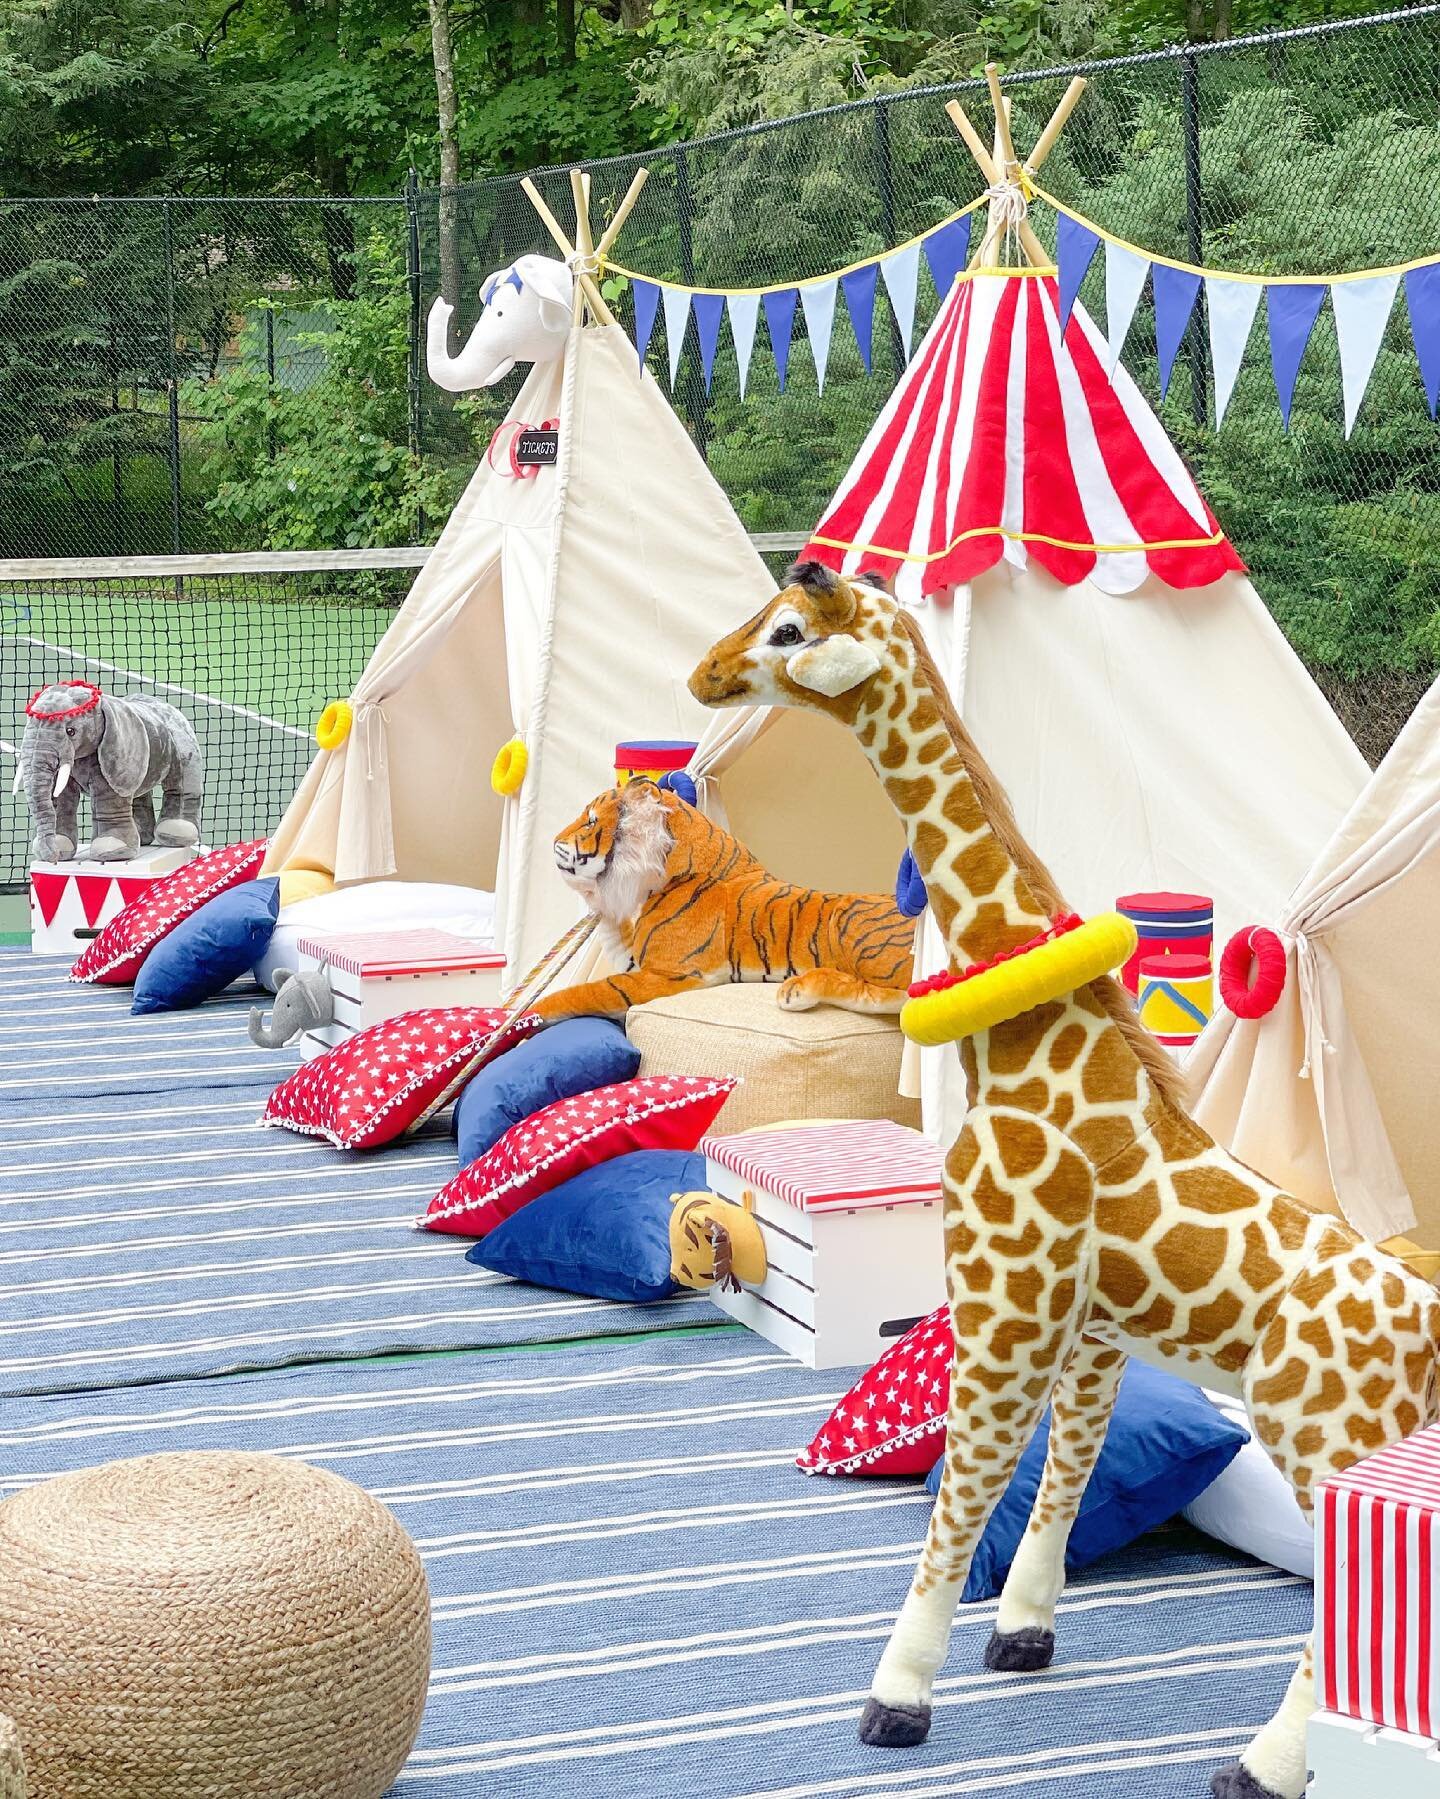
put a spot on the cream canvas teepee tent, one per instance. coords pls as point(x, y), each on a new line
point(1333, 1094)
point(568, 609)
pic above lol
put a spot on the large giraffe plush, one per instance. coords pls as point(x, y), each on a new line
point(1086, 1216)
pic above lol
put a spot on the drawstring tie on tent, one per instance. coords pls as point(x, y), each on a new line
point(372, 722)
point(1312, 1012)
point(1010, 205)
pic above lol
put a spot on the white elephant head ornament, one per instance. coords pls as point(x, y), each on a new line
point(526, 319)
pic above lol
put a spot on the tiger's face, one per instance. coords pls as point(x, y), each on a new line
point(614, 854)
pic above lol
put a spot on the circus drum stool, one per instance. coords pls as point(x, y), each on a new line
point(208, 1626)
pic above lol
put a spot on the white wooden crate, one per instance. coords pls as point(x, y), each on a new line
point(1352, 1760)
point(375, 975)
point(71, 902)
point(844, 1279)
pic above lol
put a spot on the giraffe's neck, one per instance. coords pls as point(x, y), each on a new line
point(978, 896)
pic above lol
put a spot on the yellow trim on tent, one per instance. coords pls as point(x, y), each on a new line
point(1055, 543)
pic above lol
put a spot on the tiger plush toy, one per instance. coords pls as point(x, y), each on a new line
point(681, 904)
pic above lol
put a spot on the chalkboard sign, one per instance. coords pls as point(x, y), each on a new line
point(537, 449)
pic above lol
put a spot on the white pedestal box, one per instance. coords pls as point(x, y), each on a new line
point(851, 1217)
point(1350, 1759)
point(67, 898)
point(375, 975)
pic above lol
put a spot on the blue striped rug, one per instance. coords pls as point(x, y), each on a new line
point(635, 1591)
point(149, 1230)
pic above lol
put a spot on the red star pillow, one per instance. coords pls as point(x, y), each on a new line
point(114, 958)
point(376, 1085)
point(892, 1421)
point(564, 1139)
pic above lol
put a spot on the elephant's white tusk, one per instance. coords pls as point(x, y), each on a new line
point(19, 777)
point(62, 779)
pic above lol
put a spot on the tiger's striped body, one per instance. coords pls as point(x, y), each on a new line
point(683, 905)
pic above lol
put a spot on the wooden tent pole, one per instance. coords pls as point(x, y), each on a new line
point(567, 250)
point(1045, 143)
point(622, 212)
point(1004, 143)
point(960, 119)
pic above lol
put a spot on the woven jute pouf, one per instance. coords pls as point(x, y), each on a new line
point(208, 1626)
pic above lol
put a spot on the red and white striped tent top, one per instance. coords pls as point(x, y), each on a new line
point(1003, 439)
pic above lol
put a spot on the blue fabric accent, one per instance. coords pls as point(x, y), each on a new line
point(1075, 248)
point(1292, 309)
point(605, 1233)
point(647, 303)
point(1165, 1445)
point(680, 784)
point(946, 251)
point(1175, 291)
point(910, 895)
point(1422, 301)
point(780, 322)
point(858, 288)
point(506, 278)
point(571, 1057)
point(1185, 1005)
point(212, 947)
point(709, 310)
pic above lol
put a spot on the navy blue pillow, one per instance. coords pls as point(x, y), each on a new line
point(575, 1056)
point(1165, 1445)
point(604, 1233)
point(210, 948)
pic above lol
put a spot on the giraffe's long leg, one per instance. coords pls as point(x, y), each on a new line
point(1019, 1198)
point(1346, 1365)
point(1081, 1405)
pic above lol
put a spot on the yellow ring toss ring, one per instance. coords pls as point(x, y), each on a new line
point(508, 773)
point(334, 725)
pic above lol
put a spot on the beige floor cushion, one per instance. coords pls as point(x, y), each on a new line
point(821, 1064)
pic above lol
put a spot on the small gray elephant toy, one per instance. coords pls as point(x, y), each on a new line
point(117, 751)
point(303, 1002)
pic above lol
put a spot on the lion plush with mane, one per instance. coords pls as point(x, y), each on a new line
point(682, 904)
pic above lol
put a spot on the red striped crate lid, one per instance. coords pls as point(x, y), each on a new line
point(380, 955)
point(834, 1167)
point(1408, 1471)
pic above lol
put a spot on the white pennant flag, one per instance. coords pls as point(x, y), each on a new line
point(744, 310)
point(677, 315)
point(1362, 311)
point(1230, 307)
point(901, 271)
point(1125, 276)
point(818, 301)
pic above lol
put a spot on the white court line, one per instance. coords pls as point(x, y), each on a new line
point(132, 674)
point(89, 1117)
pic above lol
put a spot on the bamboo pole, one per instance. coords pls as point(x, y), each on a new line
point(567, 249)
point(1004, 143)
point(1045, 143)
point(580, 193)
point(622, 212)
point(960, 119)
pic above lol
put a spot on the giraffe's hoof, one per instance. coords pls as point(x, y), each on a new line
point(1020, 1651)
point(894, 1726)
point(1237, 1782)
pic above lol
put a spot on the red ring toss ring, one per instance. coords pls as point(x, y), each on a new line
point(1245, 997)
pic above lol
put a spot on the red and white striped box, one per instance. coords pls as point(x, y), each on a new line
point(375, 975)
point(1377, 1588)
point(850, 1211)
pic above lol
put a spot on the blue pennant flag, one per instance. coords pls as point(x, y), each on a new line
point(1291, 309)
point(709, 310)
point(780, 321)
point(859, 290)
point(947, 251)
point(1422, 300)
point(1075, 247)
point(1174, 291)
point(647, 304)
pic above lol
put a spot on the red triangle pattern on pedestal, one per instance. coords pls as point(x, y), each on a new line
point(115, 956)
point(48, 890)
point(94, 891)
point(130, 891)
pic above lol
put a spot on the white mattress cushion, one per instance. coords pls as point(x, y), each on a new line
point(1251, 1506)
point(467, 912)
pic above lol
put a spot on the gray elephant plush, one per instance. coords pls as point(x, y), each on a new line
point(118, 751)
point(303, 1002)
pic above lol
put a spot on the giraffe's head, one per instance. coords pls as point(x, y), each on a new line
point(817, 644)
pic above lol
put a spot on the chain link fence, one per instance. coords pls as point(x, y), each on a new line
point(191, 375)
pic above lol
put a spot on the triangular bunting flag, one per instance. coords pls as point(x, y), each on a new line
point(780, 323)
point(818, 300)
point(1231, 308)
point(947, 251)
point(1174, 291)
point(709, 310)
point(647, 304)
point(677, 317)
point(902, 275)
point(1125, 274)
point(130, 891)
point(1075, 246)
point(744, 312)
point(1362, 311)
point(1422, 301)
point(859, 288)
point(1292, 308)
point(48, 889)
point(94, 891)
